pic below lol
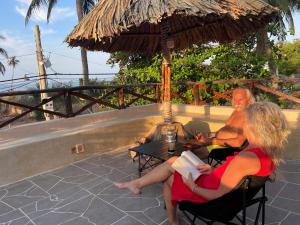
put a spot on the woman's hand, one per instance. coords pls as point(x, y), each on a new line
point(189, 182)
point(204, 168)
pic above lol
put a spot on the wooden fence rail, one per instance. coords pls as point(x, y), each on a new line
point(123, 96)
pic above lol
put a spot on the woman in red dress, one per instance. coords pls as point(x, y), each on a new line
point(266, 131)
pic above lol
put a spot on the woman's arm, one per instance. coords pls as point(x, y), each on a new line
point(244, 164)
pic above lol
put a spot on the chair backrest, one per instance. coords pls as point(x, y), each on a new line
point(227, 206)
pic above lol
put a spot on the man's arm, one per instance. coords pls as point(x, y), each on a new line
point(233, 142)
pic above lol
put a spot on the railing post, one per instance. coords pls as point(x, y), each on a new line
point(121, 98)
point(157, 93)
point(68, 104)
point(196, 94)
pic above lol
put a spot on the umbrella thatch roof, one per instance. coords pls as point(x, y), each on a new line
point(135, 25)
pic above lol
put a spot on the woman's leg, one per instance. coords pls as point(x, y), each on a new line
point(171, 210)
point(158, 174)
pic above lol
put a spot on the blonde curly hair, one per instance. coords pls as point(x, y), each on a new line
point(270, 127)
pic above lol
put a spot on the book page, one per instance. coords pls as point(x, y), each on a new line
point(183, 166)
point(192, 158)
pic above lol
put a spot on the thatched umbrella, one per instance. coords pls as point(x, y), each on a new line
point(150, 26)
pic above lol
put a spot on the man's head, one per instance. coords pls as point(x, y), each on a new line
point(241, 98)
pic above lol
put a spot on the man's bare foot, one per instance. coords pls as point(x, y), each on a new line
point(131, 186)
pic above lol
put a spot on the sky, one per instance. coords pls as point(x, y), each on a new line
point(19, 41)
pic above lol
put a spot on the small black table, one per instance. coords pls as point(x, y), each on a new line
point(156, 150)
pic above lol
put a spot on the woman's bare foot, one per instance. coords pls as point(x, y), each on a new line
point(131, 186)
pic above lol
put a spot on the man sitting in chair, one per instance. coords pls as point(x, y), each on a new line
point(231, 135)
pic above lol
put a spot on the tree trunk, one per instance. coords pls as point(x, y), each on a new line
point(84, 61)
point(263, 48)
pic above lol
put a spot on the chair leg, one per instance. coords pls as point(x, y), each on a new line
point(263, 206)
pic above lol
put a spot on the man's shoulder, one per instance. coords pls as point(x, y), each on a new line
point(236, 116)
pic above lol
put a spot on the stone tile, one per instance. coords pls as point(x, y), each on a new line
point(38, 213)
point(108, 198)
point(19, 187)
point(69, 171)
point(78, 221)
point(100, 187)
point(80, 179)
point(158, 214)
point(289, 167)
point(47, 203)
point(13, 215)
point(3, 193)
point(36, 192)
point(113, 190)
point(100, 170)
point(135, 204)
point(290, 177)
point(68, 192)
point(100, 160)
point(79, 206)
point(115, 175)
point(4, 208)
point(60, 187)
point(127, 220)
point(273, 215)
point(20, 201)
point(29, 208)
point(142, 217)
point(77, 195)
point(292, 219)
point(108, 213)
point(287, 204)
point(21, 221)
point(291, 191)
point(272, 189)
point(46, 181)
point(85, 165)
point(54, 218)
point(92, 183)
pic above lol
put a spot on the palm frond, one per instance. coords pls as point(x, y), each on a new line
point(87, 5)
point(2, 68)
point(3, 52)
point(2, 37)
point(13, 61)
point(34, 5)
point(290, 21)
point(51, 4)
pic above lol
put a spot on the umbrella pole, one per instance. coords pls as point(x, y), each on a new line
point(166, 85)
point(166, 71)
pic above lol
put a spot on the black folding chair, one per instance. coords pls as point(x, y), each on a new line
point(227, 207)
point(218, 155)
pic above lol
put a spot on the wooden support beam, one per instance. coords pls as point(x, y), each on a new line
point(278, 93)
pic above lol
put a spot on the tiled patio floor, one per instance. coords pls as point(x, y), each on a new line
point(83, 194)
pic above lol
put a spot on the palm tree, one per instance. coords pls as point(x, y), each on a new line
point(3, 53)
point(13, 62)
point(82, 7)
point(286, 7)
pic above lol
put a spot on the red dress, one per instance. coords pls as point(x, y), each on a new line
point(181, 192)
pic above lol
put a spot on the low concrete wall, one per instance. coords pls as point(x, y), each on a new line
point(28, 150)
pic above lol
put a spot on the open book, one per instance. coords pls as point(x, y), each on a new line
point(187, 163)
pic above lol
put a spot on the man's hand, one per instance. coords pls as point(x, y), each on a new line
point(204, 168)
point(203, 139)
